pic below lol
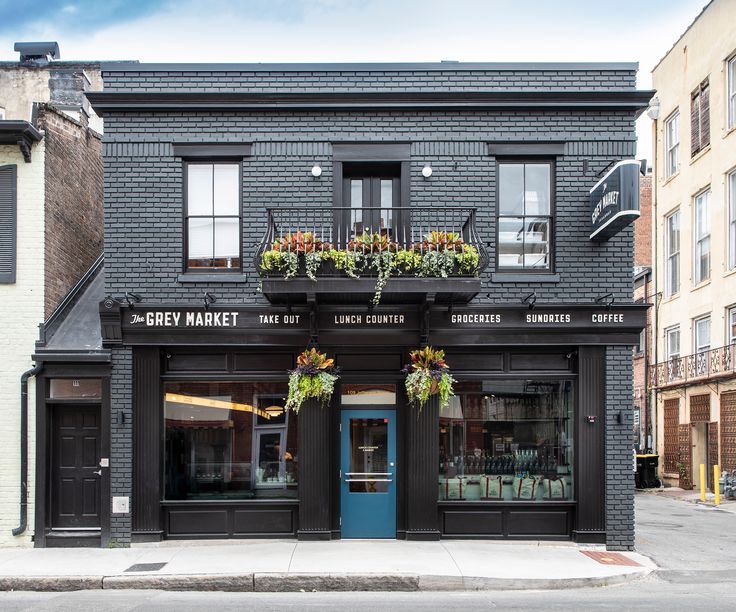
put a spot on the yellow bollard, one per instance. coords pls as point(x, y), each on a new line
point(716, 483)
point(702, 482)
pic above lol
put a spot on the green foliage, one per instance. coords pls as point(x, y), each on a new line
point(438, 255)
point(291, 264)
point(438, 264)
point(419, 387)
point(428, 374)
point(272, 261)
point(306, 386)
point(350, 262)
point(381, 263)
point(406, 261)
point(313, 260)
point(468, 260)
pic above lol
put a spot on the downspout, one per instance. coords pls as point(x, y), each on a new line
point(647, 416)
point(653, 399)
point(24, 447)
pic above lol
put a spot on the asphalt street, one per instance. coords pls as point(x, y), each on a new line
point(694, 546)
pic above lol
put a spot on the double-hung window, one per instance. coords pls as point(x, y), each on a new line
point(731, 93)
point(701, 242)
point(672, 144)
point(672, 251)
point(672, 352)
point(213, 216)
point(731, 195)
point(525, 216)
point(701, 343)
point(700, 119)
point(731, 325)
point(672, 342)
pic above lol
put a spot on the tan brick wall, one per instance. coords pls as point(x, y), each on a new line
point(643, 225)
point(74, 191)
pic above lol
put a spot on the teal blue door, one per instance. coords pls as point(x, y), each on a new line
point(368, 473)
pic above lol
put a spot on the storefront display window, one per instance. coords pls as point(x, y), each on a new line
point(508, 440)
point(229, 440)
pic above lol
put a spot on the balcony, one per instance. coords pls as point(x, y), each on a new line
point(371, 255)
point(700, 367)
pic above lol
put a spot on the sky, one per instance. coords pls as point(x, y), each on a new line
point(355, 30)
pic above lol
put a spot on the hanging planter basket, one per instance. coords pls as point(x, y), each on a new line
point(428, 374)
point(314, 377)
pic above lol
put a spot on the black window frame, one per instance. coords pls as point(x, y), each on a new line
point(9, 277)
point(552, 163)
point(186, 269)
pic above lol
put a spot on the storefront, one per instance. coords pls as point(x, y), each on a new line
point(252, 211)
point(216, 455)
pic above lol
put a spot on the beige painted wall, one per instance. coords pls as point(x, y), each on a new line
point(701, 53)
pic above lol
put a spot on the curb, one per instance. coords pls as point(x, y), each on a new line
point(284, 582)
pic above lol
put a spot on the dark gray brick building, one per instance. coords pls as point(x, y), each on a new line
point(211, 168)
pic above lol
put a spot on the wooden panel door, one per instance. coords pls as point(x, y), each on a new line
point(75, 480)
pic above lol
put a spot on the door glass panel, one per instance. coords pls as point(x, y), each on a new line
point(364, 395)
point(369, 456)
point(356, 203)
point(70, 388)
point(387, 202)
point(270, 470)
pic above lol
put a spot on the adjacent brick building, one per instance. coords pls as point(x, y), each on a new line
point(50, 234)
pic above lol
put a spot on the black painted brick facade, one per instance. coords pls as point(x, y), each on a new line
point(143, 200)
point(619, 450)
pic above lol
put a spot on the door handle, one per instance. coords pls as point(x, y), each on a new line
point(368, 480)
point(369, 474)
point(98, 472)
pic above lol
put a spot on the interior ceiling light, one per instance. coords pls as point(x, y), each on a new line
point(207, 402)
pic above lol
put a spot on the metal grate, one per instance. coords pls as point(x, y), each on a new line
point(610, 558)
point(671, 423)
point(369, 230)
point(685, 455)
point(700, 408)
point(145, 567)
point(728, 431)
point(712, 451)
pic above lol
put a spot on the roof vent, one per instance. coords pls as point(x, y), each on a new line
point(37, 52)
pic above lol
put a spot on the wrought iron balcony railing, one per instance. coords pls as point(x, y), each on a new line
point(698, 367)
point(356, 242)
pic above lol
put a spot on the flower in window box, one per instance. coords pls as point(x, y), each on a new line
point(314, 377)
point(428, 374)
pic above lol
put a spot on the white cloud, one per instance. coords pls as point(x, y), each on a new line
point(388, 31)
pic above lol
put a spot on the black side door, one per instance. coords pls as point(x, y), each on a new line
point(75, 471)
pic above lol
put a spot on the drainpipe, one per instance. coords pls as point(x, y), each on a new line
point(24, 447)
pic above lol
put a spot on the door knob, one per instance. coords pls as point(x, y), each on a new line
point(98, 472)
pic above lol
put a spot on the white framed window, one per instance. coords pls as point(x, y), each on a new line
point(701, 238)
point(672, 342)
point(731, 205)
point(701, 334)
point(212, 216)
point(701, 344)
point(672, 144)
point(731, 93)
point(672, 253)
point(731, 325)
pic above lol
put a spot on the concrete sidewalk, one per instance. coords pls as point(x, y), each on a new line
point(691, 496)
point(344, 565)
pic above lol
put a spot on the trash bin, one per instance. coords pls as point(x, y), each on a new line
point(646, 471)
